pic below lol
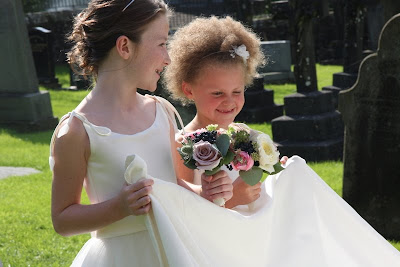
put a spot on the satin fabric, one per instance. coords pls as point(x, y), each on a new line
point(298, 221)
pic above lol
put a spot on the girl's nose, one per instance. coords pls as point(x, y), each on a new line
point(228, 100)
point(167, 59)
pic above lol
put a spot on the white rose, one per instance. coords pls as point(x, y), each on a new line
point(269, 154)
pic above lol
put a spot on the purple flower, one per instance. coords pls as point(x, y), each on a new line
point(206, 155)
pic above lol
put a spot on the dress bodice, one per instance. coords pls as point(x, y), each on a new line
point(106, 164)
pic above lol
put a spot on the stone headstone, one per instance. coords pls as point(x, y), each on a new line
point(21, 101)
point(371, 114)
point(354, 15)
point(375, 21)
point(279, 61)
point(259, 104)
point(311, 127)
point(79, 82)
point(41, 41)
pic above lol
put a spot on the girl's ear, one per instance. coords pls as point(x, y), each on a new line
point(187, 90)
point(124, 47)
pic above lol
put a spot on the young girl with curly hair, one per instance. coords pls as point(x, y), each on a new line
point(297, 219)
point(122, 44)
point(213, 61)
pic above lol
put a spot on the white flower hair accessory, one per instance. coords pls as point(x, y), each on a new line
point(240, 51)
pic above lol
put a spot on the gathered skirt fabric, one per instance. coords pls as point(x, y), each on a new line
point(298, 221)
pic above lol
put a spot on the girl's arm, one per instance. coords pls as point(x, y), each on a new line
point(184, 175)
point(71, 153)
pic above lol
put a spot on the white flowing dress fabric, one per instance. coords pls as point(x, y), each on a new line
point(298, 221)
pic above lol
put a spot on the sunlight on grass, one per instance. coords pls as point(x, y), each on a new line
point(324, 76)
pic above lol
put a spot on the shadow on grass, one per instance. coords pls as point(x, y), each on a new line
point(35, 137)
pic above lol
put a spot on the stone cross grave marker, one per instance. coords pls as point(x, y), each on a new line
point(371, 114)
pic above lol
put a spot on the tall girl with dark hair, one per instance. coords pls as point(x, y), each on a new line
point(122, 44)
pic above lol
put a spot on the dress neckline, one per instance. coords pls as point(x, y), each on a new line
point(103, 130)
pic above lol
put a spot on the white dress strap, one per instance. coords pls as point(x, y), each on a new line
point(100, 130)
point(171, 111)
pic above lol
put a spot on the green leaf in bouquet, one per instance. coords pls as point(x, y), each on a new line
point(213, 171)
point(223, 143)
point(278, 167)
point(187, 149)
point(191, 164)
point(252, 176)
point(228, 158)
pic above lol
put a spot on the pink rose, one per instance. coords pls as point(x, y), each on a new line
point(242, 162)
point(207, 156)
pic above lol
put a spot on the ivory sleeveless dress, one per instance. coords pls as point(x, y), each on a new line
point(125, 242)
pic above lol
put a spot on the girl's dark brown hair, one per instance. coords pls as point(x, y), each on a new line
point(97, 28)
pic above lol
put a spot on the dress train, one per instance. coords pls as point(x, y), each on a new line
point(298, 221)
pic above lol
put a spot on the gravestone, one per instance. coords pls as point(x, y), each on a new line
point(21, 101)
point(279, 61)
point(41, 41)
point(354, 15)
point(311, 127)
point(375, 21)
point(371, 113)
point(259, 106)
point(79, 82)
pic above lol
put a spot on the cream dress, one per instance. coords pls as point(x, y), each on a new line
point(125, 242)
point(299, 221)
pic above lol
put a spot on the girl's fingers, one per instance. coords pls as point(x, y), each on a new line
point(225, 195)
point(219, 175)
point(220, 189)
point(206, 178)
point(214, 177)
point(283, 160)
point(140, 184)
point(143, 210)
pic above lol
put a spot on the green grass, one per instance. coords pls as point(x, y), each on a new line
point(324, 76)
point(27, 237)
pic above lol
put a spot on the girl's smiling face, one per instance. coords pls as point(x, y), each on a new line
point(152, 55)
point(218, 93)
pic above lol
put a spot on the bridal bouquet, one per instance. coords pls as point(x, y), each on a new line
point(250, 152)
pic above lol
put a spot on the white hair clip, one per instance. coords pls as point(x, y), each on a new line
point(128, 5)
point(240, 51)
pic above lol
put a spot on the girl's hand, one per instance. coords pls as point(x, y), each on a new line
point(243, 193)
point(135, 198)
point(216, 186)
point(283, 160)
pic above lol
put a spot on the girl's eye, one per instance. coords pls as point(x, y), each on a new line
point(163, 44)
point(237, 92)
point(217, 93)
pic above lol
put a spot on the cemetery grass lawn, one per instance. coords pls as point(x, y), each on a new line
point(27, 237)
point(324, 77)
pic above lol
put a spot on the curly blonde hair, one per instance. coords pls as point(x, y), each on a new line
point(96, 29)
point(207, 42)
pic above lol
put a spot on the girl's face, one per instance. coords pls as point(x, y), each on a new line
point(151, 54)
point(218, 93)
